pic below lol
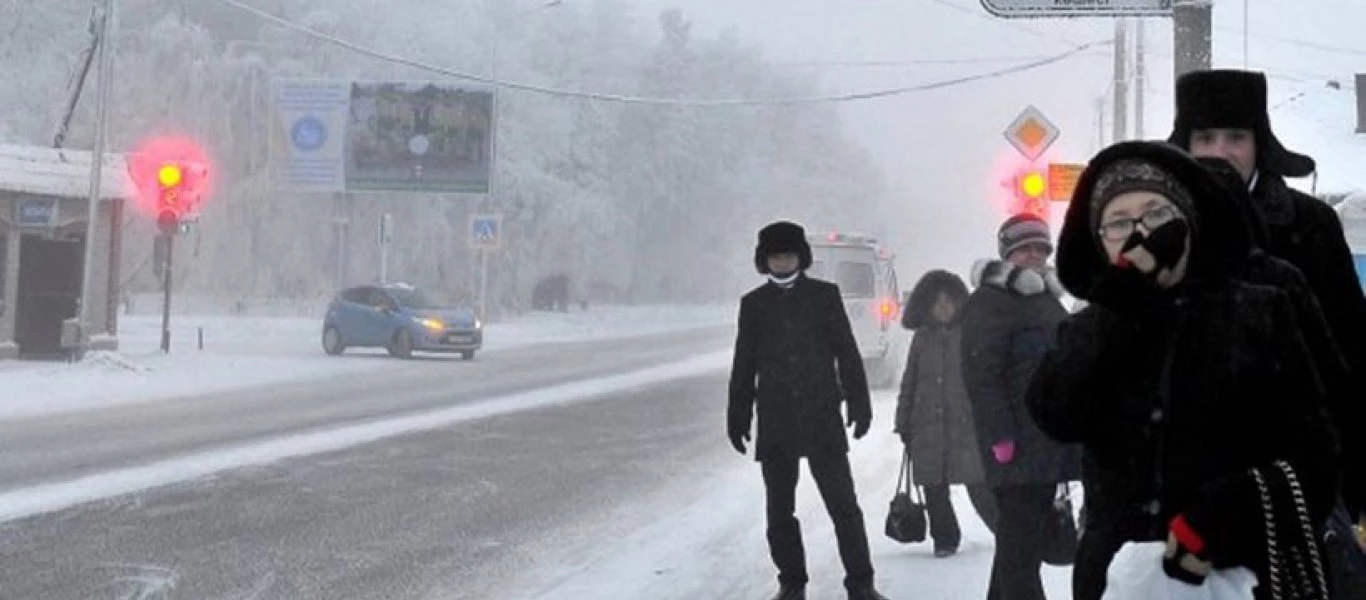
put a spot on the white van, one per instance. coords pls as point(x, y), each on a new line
point(867, 279)
point(1352, 212)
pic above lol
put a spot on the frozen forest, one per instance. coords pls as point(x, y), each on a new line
point(637, 202)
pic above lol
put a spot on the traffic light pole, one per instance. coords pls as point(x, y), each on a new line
point(1192, 23)
point(166, 271)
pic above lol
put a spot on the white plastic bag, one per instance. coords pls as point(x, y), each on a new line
point(1136, 574)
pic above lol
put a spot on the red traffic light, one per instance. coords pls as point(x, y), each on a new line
point(171, 173)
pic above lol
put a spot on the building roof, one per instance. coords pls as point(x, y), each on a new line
point(61, 172)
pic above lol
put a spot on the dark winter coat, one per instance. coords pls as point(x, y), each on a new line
point(1006, 325)
point(934, 410)
point(1346, 403)
point(797, 361)
point(1176, 397)
point(1308, 234)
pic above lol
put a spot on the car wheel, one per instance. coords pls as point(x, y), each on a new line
point(467, 355)
point(402, 344)
point(332, 341)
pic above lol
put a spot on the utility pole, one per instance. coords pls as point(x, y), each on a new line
point(1192, 23)
point(102, 84)
point(1140, 79)
point(1121, 120)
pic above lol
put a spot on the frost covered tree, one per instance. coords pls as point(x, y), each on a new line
point(656, 200)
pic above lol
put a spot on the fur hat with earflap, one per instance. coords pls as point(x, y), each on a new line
point(1233, 99)
point(780, 238)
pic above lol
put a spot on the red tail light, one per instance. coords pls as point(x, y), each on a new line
point(887, 310)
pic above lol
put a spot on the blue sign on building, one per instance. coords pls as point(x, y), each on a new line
point(37, 212)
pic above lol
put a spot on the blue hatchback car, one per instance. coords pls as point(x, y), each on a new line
point(401, 319)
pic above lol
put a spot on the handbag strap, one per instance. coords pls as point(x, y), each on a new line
point(1305, 585)
point(903, 475)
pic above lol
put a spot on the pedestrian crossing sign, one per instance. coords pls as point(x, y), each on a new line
point(486, 232)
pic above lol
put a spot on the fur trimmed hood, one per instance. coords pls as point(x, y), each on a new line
point(1017, 280)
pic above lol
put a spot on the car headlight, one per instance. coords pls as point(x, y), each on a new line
point(478, 324)
point(433, 324)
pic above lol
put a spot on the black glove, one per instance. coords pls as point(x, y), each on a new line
point(738, 437)
point(861, 426)
point(906, 438)
point(1126, 290)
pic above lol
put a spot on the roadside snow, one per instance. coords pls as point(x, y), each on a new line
point(241, 352)
point(40, 499)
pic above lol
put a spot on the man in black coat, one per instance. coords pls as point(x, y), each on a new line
point(797, 361)
point(1006, 326)
point(1222, 113)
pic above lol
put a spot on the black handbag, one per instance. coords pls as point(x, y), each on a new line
point(1060, 531)
point(906, 517)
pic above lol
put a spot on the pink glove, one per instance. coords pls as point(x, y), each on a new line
point(1004, 451)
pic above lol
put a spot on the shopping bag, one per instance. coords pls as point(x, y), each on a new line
point(1136, 574)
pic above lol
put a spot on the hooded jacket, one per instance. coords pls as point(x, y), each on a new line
point(1177, 396)
point(1006, 324)
point(933, 408)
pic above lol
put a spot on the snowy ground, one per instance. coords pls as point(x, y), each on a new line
point(242, 352)
point(707, 541)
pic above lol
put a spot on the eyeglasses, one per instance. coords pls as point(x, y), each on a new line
point(1119, 230)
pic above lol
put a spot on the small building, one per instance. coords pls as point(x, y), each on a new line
point(44, 200)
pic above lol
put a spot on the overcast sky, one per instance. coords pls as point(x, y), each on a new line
point(944, 149)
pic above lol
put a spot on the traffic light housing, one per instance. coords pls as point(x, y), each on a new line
point(1031, 191)
point(170, 197)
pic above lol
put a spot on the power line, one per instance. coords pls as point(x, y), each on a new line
point(1297, 42)
point(624, 99)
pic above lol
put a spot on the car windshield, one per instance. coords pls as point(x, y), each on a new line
point(415, 298)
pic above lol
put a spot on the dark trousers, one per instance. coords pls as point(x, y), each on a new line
point(836, 485)
point(1020, 534)
point(944, 528)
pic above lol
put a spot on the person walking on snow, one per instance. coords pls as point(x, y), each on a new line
point(933, 414)
point(1006, 324)
point(796, 362)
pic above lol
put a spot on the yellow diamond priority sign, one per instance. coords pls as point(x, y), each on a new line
point(1032, 133)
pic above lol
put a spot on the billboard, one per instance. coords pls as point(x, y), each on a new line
point(390, 137)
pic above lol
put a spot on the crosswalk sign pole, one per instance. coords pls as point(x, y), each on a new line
point(483, 285)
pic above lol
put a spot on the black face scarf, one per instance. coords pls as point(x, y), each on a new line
point(1167, 244)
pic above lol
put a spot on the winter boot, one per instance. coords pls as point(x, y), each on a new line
point(791, 592)
point(867, 593)
point(945, 552)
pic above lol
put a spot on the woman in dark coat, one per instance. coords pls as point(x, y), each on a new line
point(1193, 394)
point(933, 413)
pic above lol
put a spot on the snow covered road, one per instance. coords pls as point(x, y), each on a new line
point(595, 470)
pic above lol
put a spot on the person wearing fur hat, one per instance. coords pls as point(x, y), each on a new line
point(1006, 323)
point(1192, 393)
point(796, 362)
point(933, 415)
point(1223, 113)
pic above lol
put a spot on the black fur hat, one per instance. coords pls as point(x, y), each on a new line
point(779, 238)
point(1232, 99)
